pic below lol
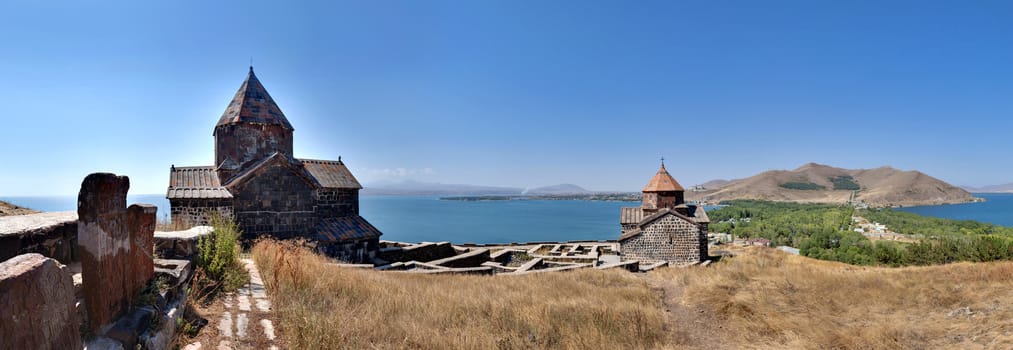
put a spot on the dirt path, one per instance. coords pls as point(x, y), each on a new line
point(687, 327)
point(240, 320)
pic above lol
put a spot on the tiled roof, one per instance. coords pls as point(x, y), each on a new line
point(630, 215)
point(663, 182)
point(195, 182)
point(348, 228)
point(252, 104)
point(331, 174)
point(700, 215)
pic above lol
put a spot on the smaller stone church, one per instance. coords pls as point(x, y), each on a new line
point(664, 227)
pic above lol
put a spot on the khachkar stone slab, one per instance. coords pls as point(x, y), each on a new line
point(37, 305)
point(141, 222)
point(111, 272)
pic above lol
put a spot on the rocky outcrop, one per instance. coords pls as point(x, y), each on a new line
point(37, 305)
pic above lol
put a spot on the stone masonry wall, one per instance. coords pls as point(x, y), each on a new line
point(670, 239)
point(248, 142)
point(337, 202)
point(37, 305)
point(195, 212)
point(276, 202)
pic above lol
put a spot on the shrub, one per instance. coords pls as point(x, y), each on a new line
point(217, 263)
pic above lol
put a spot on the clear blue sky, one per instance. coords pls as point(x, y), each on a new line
point(519, 93)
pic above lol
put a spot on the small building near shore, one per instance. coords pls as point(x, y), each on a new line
point(664, 227)
point(257, 180)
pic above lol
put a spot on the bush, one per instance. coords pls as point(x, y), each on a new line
point(217, 264)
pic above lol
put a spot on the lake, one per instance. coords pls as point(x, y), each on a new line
point(996, 209)
point(425, 218)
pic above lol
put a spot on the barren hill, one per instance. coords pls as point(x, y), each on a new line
point(11, 209)
point(884, 186)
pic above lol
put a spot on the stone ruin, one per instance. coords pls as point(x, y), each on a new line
point(73, 279)
point(505, 259)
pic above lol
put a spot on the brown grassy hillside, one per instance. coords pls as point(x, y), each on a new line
point(768, 299)
point(11, 209)
point(761, 298)
point(884, 186)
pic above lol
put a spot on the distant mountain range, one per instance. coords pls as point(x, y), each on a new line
point(440, 189)
point(416, 188)
point(556, 189)
point(1007, 188)
point(817, 183)
point(884, 186)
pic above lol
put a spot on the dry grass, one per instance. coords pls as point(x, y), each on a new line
point(764, 298)
point(321, 306)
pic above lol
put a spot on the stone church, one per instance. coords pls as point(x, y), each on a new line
point(664, 227)
point(257, 180)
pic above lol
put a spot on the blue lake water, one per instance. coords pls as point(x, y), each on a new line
point(423, 218)
point(997, 209)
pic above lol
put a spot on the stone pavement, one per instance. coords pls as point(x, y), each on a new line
point(248, 303)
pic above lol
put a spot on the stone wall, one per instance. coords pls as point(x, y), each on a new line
point(37, 305)
point(671, 239)
point(275, 202)
point(54, 235)
point(337, 202)
point(361, 251)
point(248, 142)
point(180, 244)
point(196, 212)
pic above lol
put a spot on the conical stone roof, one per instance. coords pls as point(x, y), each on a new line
point(663, 182)
point(252, 104)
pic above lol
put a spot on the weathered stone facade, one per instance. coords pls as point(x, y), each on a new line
point(671, 238)
point(664, 228)
point(198, 211)
point(257, 180)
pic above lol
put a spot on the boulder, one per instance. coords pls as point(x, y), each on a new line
point(37, 305)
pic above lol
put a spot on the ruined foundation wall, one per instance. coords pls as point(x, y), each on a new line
point(54, 235)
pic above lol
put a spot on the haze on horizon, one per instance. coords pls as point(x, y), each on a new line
point(512, 93)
